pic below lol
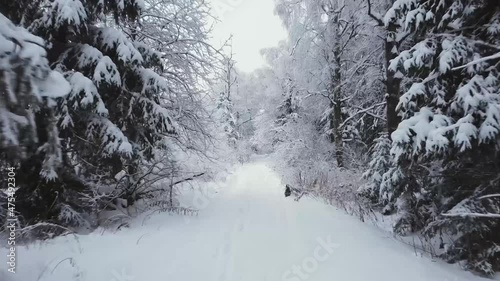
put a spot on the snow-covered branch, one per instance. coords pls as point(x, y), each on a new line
point(377, 19)
point(472, 215)
point(483, 59)
point(364, 110)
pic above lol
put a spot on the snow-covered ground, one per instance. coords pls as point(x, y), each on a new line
point(246, 230)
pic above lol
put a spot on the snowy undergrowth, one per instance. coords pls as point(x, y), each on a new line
point(75, 256)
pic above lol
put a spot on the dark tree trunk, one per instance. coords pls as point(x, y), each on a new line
point(392, 83)
point(336, 103)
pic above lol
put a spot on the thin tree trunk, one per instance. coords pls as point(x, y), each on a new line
point(336, 92)
point(337, 120)
point(392, 83)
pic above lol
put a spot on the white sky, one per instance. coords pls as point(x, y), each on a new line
point(253, 26)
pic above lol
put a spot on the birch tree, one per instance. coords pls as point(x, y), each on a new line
point(331, 43)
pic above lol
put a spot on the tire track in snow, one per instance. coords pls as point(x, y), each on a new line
point(230, 235)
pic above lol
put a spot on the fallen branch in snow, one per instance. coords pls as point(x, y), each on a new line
point(138, 240)
point(179, 211)
point(171, 210)
point(70, 260)
point(48, 230)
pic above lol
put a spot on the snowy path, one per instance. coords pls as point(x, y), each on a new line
point(248, 232)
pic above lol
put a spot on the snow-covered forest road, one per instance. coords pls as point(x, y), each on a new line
point(247, 231)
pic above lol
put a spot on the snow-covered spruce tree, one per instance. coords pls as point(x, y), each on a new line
point(380, 163)
point(225, 111)
point(447, 146)
point(28, 86)
point(287, 110)
point(113, 120)
point(285, 115)
point(226, 116)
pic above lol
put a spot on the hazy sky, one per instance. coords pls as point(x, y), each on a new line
point(253, 25)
